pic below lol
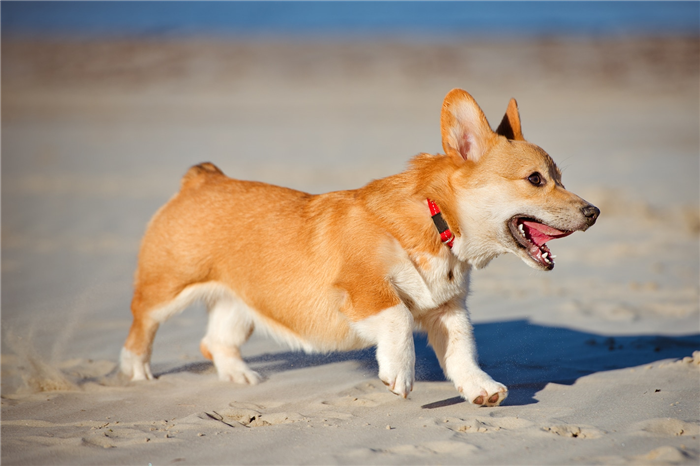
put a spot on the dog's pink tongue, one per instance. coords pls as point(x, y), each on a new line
point(540, 233)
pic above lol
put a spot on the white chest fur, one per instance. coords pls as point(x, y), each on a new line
point(428, 281)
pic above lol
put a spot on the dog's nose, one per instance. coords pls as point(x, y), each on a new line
point(591, 213)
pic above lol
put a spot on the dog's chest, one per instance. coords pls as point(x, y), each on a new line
point(427, 281)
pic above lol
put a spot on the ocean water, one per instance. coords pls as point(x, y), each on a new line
point(349, 19)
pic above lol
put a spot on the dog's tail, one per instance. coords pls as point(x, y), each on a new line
point(197, 174)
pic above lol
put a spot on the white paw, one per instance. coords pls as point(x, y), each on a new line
point(392, 331)
point(134, 366)
point(480, 389)
point(398, 379)
point(236, 371)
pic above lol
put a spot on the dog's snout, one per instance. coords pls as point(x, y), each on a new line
point(591, 213)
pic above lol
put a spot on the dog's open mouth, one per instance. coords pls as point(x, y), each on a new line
point(533, 236)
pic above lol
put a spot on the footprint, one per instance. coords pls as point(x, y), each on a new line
point(568, 430)
point(96, 433)
point(483, 424)
point(233, 416)
point(112, 437)
point(272, 419)
point(474, 426)
point(251, 415)
point(666, 427)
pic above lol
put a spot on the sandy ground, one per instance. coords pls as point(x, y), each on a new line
point(599, 355)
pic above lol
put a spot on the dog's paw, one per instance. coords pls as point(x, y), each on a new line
point(135, 367)
point(237, 371)
point(482, 390)
point(401, 383)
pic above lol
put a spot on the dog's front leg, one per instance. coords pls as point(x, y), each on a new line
point(450, 333)
point(392, 331)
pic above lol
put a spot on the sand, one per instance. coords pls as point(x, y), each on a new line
point(600, 355)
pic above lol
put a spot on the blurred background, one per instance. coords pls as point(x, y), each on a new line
point(106, 104)
point(348, 20)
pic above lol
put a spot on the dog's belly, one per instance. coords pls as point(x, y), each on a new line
point(330, 333)
point(320, 331)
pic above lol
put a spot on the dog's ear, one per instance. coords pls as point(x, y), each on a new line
point(466, 134)
point(510, 125)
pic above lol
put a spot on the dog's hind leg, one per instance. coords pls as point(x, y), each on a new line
point(136, 354)
point(230, 325)
point(151, 306)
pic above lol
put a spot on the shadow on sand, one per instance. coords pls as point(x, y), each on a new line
point(522, 355)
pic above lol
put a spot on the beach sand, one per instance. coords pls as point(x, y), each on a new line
point(601, 355)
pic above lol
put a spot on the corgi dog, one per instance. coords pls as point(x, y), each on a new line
point(351, 269)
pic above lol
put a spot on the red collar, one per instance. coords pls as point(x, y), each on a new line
point(446, 235)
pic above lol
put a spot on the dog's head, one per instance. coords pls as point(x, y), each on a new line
point(508, 192)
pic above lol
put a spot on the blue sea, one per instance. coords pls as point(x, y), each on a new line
point(349, 19)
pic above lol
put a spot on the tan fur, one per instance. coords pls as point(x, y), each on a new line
point(311, 266)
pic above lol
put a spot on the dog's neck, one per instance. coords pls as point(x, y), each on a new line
point(441, 225)
point(400, 203)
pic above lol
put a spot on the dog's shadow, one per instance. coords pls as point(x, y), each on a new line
point(522, 355)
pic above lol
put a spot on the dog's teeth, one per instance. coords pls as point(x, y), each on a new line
point(521, 229)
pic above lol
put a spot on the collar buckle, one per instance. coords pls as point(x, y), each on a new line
point(441, 225)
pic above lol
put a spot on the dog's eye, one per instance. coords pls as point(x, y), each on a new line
point(536, 179)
